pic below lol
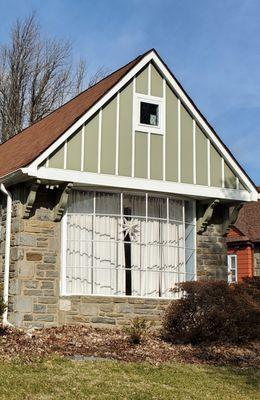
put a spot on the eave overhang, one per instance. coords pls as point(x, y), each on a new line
point(88, 179)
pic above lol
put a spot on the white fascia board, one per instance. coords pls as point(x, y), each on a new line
point(184, 189)
point(152, 56)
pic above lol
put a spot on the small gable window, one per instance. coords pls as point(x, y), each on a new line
point(149, 114)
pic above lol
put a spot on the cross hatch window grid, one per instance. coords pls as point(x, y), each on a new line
point(119, 244)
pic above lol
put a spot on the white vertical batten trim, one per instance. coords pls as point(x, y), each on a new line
point(133, 129)
point(65, 154)
point(222, 173)
point(48, 162)
point(82, 147)
point(99, 138)
point(194, 151)
point(164, 133)
point(149, 79)
point(117, 131)
point(149, 156)
point(237, 183)
point(179, 140)
point(149, 133)
point(208, 151)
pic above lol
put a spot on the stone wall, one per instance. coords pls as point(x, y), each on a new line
point(110, 311)
point(34, 299)
point(34, 262)
point(212, 249)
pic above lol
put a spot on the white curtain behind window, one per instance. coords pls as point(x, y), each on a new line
point(107, 277)
point(96, 258)
point(79, 240)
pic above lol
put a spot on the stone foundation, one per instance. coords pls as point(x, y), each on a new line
point(109, 311)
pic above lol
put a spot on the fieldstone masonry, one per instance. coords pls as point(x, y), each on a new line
point(212, 249)
point(34, 263)
point(34, 299)
point(110, 311)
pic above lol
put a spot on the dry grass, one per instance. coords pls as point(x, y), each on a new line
point(100, 380)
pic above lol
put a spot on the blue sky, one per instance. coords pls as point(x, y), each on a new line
point(212, 47)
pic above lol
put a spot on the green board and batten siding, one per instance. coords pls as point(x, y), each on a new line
point(186, 147)
point(116, 135)
point(171, 136)
point(108, 140)
point(125, 131)
point(201, 158)
point(91, 145)
point(57, 158)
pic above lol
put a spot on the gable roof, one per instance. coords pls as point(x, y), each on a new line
point(23, 148)
point(28, 148)
point(248, 222)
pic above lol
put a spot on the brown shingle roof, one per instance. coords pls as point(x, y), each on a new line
point(27, 145)
point(248, 222)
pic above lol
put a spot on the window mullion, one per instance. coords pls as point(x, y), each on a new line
point(122, 240)
point(146, 242)
point(184, 241)
point(168, 234)
point(93, 242)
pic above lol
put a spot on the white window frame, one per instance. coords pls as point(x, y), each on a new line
point(229, 263)
point(63, 289)
point(138, 126)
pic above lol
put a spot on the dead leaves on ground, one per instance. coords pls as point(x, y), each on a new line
point(69, 341)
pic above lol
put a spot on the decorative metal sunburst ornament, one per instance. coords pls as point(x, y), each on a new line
point(129, 227)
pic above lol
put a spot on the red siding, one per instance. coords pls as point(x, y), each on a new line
point(234, 233)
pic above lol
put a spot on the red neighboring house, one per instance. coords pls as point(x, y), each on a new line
point(243, 243)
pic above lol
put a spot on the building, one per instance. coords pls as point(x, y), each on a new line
point(243, 242)
point(112, 199)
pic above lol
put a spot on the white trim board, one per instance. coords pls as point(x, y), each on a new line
point(96, 179)
point(171, 81)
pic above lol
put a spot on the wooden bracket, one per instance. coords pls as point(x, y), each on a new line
point(227, 225)
point(63, 201)
point(204, 220)
point(31, 199)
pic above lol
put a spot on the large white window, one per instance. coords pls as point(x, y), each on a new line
point(122, 244)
